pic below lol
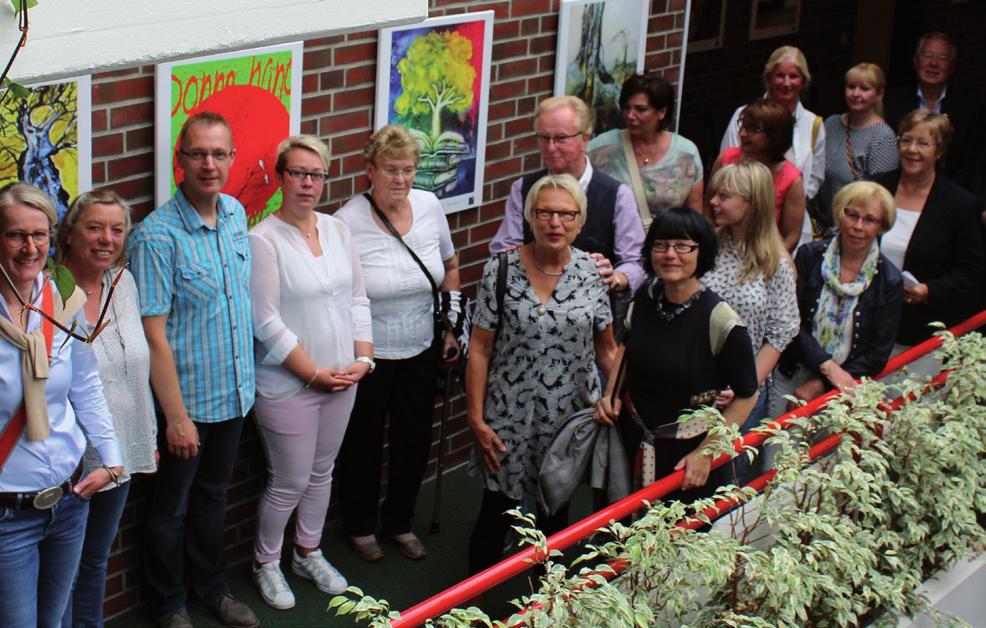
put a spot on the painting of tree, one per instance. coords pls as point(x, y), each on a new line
point(433, 80)
point(41, 136)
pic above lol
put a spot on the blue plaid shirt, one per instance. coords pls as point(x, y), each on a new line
point(199, 277)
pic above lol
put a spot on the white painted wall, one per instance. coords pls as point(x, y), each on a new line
point(72, 37)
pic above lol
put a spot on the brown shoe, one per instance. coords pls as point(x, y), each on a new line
point(173, 619)
point(410, 545)
point(232, 612)
point(366, 547)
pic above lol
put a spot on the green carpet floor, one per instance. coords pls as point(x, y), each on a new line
point(400, 581)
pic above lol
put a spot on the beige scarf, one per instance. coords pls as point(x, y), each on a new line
point(34, 360)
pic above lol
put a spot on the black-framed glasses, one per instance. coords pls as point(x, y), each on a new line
point(564, 215)
point(299, 175)
point(19, 238)
point(557, 139)
point(752, 129)
point(681, 248)
point(218, 156)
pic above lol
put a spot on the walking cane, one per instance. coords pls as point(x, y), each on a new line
point(442, 433)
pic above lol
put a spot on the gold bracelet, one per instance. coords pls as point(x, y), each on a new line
point(312, 380)
point(114, 476)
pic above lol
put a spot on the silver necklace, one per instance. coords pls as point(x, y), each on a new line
point(681, 307)
point(543, 271)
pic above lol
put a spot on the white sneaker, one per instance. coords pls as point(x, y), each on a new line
point(272, 585)
point(314, 567)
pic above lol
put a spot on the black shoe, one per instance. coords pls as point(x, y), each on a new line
point(232, 612)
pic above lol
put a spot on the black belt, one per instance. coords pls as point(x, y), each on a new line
point(40, 500)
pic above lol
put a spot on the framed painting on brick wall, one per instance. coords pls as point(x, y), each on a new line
point(772, 18)
point(706, 24)
point(434, 79)
point(45, 139)
point(600, 44)
point(258, 92)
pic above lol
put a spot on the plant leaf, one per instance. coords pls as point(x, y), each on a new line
point(30, 4)
point(64, 281)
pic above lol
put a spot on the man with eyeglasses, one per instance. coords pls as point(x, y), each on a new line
point(612, 229)
point(191, 260)
point(934, 64)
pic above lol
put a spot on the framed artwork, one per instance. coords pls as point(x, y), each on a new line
point(706, 24)
point(257, 91)
point(772, 18)
point(600, 44)
point(434, 79)
point(45, 139)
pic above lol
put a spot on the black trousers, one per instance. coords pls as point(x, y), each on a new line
point(404, 390)
point(187, 515)
point(492, 525)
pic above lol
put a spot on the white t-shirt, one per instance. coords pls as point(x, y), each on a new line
point(894, 243)
point(401, 300)
point(297, 298)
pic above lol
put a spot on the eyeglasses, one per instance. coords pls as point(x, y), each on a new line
point(564, 215)
point(393, 173)
point(299, 175)
point(749, 128)
point(941, 56)
point(921, 143)
point(557, 139)
point(681, 248)
point(218, 156)
point(853, 216)
point(19, 238)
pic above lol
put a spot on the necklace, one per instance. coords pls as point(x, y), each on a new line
point(681, 307)
point(543, 271)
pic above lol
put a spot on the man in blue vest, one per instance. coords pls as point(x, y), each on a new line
point(612, 230)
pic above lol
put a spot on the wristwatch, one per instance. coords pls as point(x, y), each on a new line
point(368, 361)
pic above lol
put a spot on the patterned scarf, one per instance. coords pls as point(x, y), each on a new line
point(833, 323)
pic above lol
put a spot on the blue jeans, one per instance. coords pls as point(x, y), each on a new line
point(85, 607)
point(39, 555)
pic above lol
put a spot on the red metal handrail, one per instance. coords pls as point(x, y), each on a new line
point(524, 559)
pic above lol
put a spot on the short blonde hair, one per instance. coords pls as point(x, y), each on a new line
point(302, 142)
point(861, 193)
point(583, 115)
point(869, 73)
point(391, 142)
point(564, 182)
point(26, 194)
point(938, 123)
point(79, 206)
point(787, 53)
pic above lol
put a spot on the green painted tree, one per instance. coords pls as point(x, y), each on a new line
point(436, 76)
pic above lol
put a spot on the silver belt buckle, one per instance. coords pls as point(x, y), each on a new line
point(47, 498)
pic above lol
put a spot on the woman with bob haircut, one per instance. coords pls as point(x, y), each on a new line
point(406, 359)
point(860, 144)
point(850, 298)
point(685, 345)
point(667, 165)
point(937, 240)
point(765, 129)
point(92, 244)
point(534, 364)
point(785, 77)
point(313, 342)
point(753, 271)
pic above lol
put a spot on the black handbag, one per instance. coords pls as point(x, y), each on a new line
point(452, 310)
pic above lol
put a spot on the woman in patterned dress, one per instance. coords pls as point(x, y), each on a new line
point(535, 365)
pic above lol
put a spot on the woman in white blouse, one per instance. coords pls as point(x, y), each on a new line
point(313, 342)
point(402, 305)
point(91, 243)
point(753, 272)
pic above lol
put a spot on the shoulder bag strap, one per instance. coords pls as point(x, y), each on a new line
point(393, 231)
point(12, 433)
point(635, 181)
point(501, 291)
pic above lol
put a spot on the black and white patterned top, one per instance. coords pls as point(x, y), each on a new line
point(874, 151)
point(768, 307)
point(542, 368)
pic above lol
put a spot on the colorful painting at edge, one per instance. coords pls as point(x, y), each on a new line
point(433, 78)
point(255, 91)
point(45, 139)
point(600, 44)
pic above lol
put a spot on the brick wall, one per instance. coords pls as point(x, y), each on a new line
point(338, 87)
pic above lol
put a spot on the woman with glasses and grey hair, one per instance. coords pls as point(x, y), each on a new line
point(534, 363)
point(313, 342)
point(91, 243)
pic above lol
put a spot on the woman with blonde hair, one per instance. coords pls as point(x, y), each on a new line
point(753, 272)
point(860, 144)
